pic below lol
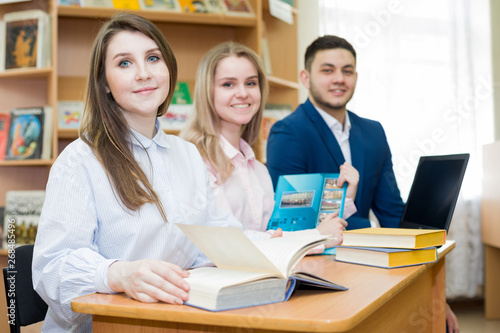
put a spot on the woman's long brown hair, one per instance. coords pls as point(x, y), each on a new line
point(104, 127)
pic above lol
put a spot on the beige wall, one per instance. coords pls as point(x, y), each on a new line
point(308, 30)
point(495, 55)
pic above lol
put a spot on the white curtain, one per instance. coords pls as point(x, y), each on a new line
point(425, 73)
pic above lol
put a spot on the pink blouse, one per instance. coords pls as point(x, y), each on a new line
point(248, 193)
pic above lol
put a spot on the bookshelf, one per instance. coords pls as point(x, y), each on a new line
point(191, 35)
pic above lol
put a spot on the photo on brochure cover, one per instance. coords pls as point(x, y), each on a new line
point(331, 183)
point(297, 199)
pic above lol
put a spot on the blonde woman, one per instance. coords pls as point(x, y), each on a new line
point(230, 94)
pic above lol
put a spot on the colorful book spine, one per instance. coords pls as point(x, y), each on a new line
point(4, 133)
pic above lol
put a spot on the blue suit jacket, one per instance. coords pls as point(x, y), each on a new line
point(303, 143)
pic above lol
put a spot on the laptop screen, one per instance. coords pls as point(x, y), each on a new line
point(434, 192)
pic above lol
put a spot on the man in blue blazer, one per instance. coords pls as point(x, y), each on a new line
point(321, 135)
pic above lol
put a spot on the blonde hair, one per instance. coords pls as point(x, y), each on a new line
point(104, 127)
point(203, 128)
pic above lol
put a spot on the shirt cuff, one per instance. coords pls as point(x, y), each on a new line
point(349, 208)
point(101, 278)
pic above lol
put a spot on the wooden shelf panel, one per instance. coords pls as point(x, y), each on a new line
point(161, 16)
point(26, 163)
point(67, 133)
point(279, 82)
point(27, 73)
point(172, 132)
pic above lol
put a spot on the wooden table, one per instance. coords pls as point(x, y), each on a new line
point(408, 299)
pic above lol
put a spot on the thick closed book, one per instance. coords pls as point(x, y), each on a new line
point(394, 237)
point(386, 257)
point(248, 273)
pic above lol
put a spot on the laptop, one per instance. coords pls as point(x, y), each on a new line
point(434, 192)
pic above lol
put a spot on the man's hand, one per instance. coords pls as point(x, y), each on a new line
point(350, 175)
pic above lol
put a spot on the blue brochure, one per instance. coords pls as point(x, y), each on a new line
point(302, 201)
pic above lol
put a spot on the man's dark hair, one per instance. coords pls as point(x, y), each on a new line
point(326, 42)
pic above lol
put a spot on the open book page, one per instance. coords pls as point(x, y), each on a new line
point(286, 252)
point(229, 248)
point(215, 278)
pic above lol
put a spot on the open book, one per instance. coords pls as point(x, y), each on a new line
point(248, 273)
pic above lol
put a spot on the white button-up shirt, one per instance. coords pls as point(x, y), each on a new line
point(340, 131)
point(84, 227)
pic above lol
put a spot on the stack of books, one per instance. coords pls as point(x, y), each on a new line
point(390, 247)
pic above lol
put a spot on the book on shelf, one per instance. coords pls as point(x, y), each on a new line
point(385, 257)
point(271, 114)
point(4, 133)
point(97, 3)
point(214, 6)
point(237, 7)
point(74, 3)
point(248, 273)
point(179, 109)
point(266, 56)
point(126, 4)
point(176, 117)
point(182, 93)
point(21, 216)
point(401, 238)
point(26, 40)
point(281, 10)
point(69, 114)
point(167, 5)
point(30, 134)
point(193, 6)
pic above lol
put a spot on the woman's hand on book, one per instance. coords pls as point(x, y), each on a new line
point(277, 233)
point(350, 175)
point(333, 226)
point(149, 280)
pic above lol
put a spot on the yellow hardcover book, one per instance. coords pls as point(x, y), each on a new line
point(126, 4)
point(386, 257)
point(193, 6)
point(394, 237)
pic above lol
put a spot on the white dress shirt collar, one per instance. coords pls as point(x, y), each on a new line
point(340, 132)
point(138, 139)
